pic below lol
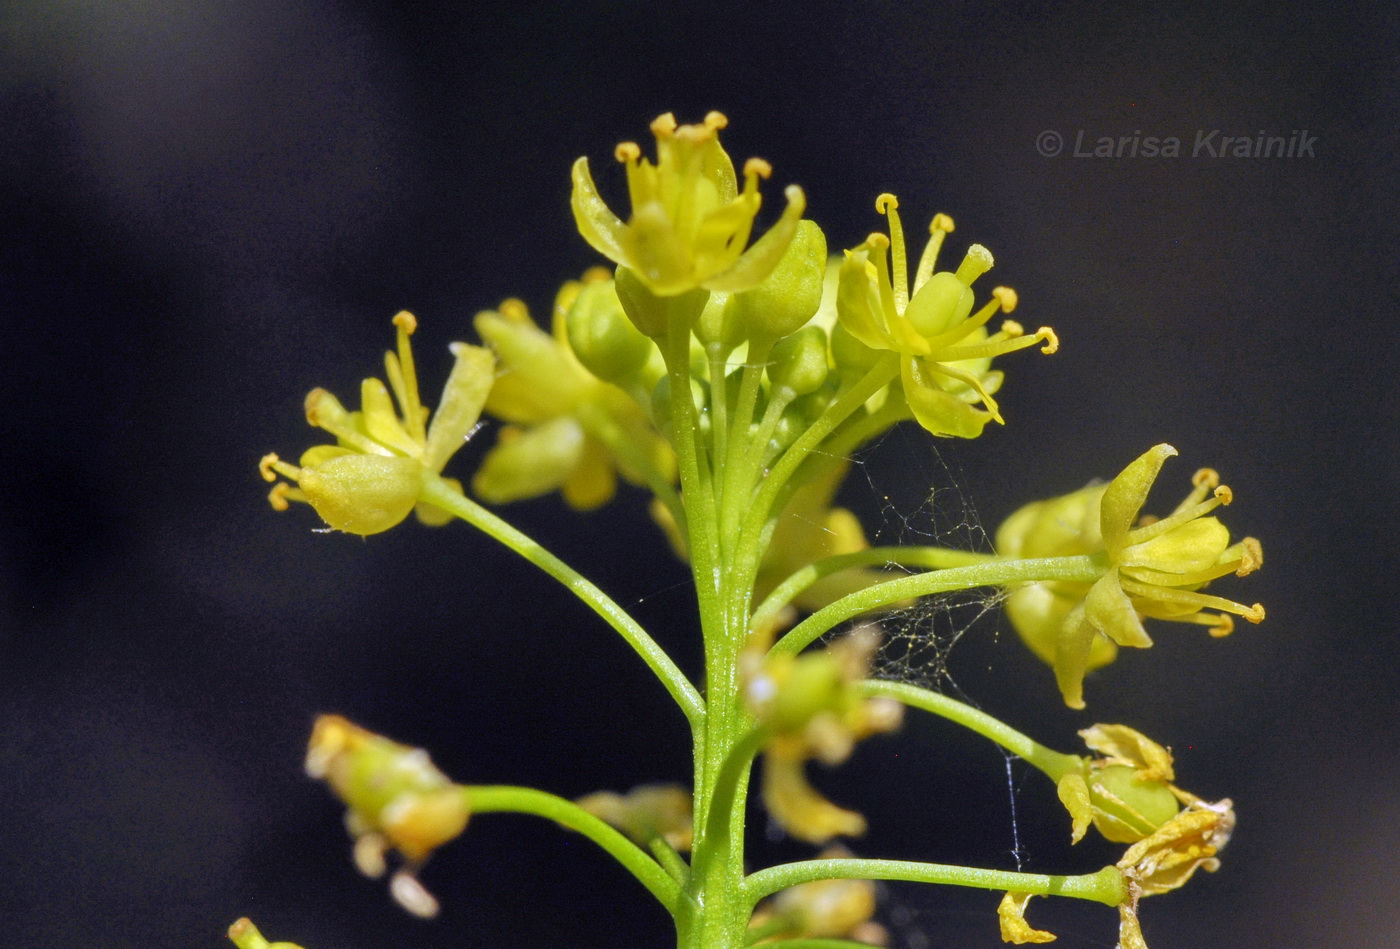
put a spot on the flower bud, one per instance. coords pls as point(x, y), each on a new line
point(652, 314)
point(790, 295)
point(601, 335)
point(798, 362)
point(526, 463)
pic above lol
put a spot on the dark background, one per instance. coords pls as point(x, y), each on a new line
point(211, 207)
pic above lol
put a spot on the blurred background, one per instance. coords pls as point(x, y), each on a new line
point(212, 207)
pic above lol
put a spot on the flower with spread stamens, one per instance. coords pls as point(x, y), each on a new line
point(371, 478)
point(944, 348)
point(690, 223)
point(1154, 570)
point(396, 799)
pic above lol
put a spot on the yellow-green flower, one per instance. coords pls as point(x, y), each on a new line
point(371, 478)
point(245, 935)
point(812, 708)
point(396, 799)
point(1127, 794)
point(1155, 569)
point(567, 429)
point(646, 813)
point(690, 223)
point(944, 348)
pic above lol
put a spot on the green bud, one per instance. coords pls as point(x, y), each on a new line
point(1127, 809)
point(719, 325)
point(789, 296)
point(798, 362)
point(661, 407)
point(850, 354)
point(601, 335)
point(652, 314)
point(814, 685)
point(529, 463)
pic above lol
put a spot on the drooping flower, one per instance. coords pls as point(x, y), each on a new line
point(1154, 570)
point(396, 799)
point(944, 348)
point(690, 223)
point(371, 478)
point(812, 708)
point(1169, 857)
point(567, 430)
point(646, 813)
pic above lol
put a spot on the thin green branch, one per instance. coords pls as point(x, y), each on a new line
point(936, 558)
point(440, 494)
point(998, 572)
point(484, 799)
point(1051, 762)
point(671, 861)
point(1105, 886)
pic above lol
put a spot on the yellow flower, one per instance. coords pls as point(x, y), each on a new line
point(822, 909)
point(568, 430)
point(811, 707)
point(245, 935)
point(370, 479)
point(396, 798)
point(945, 351)
point(1171, 856)
point(1155, 569)
point(690, 224)
point(647, 812)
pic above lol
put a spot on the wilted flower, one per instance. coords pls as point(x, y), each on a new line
point(1127, 794)
point(647, 812)
point(945, 352)
point(812, 708)
point(1153, 570)
point(396, 799)
point(371, 478)
point(822, 909)
point(690, 224)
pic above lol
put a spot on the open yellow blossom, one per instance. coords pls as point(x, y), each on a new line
point(1153, 570)
point(690, 223)
point(371, 478)
point(396, 799)
point(944, 348)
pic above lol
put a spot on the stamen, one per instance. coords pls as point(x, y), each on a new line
point(369, 854)
point(277, 497)
point(887, 204)
point(941, 226)
point(409, 400)
point(1178, 517)
point(1167, 595)
point(971, 381)
point(756, 168)
point(1251, 557)
point(627, 152)
point(1052, 341)
point(977, 262)
point(1220, 624)
point(994, 306)
point(412, 895)
point(664, 125)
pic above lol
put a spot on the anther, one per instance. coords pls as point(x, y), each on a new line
point(1052, 341)
point(1255, 614)
point(1224, 626)
point(1206, 478)
point(514, 310)
point(1005, 296)
point(277, 497)
point(716, 120)
point(664, 125)
point(406, 321)
point(265, 467)
point(941, 222)
point(412, 896)
point(627, 152)
point(1251, 557)
point(757, 168)
point(369, 855)
point(1223, 494)
point(885, 202)
point(1012, 328)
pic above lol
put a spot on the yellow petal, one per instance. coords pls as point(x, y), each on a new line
point(463, 398)
point(1012, 916)
point(1125, 495)
point(596, 222)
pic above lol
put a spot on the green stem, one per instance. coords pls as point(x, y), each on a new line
point(1081, 569)
point(440, 494)
point(1052, 763)
point(724, 791)
point(483, 799)
point(1105, 886)
point(671, 861)
point(935, 558)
